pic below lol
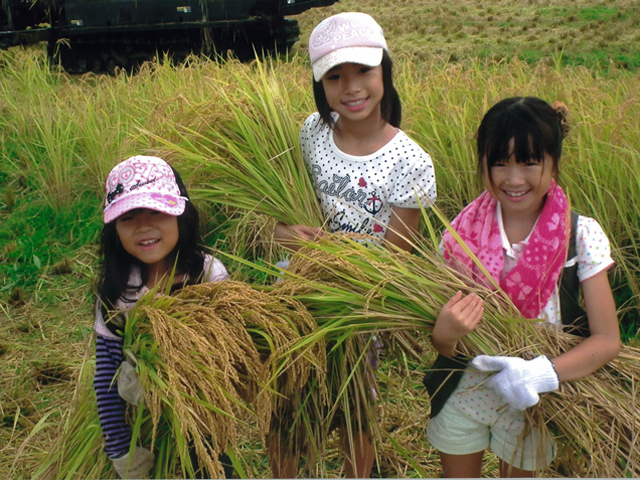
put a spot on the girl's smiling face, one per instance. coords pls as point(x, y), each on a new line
point(150, 236)
point(521, 188)
point(354, 91)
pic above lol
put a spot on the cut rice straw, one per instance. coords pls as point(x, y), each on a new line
point(249, 151)
point(595, 418)
point(207, 356)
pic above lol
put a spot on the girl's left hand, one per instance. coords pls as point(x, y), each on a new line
point(458, 317)
point(518, 381)
point(291, 236)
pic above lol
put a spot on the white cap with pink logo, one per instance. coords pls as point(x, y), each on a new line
point(142, 182)
point(349, 37)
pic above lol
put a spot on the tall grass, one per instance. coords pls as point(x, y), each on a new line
point(60, 135)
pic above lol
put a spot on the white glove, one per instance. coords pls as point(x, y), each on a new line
point(129, 384)
point(138, 465)
point(519, 381)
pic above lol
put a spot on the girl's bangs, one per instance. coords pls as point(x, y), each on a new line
point(524, 147)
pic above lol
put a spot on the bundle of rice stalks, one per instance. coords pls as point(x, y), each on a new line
point(347, 398)
point(248, 157)
point(221, 345)
point(207, 357)
point(309, 416)
point(373, 288)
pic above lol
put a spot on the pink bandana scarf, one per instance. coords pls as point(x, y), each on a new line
point(532, 281)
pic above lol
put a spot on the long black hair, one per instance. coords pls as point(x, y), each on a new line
point(390, 106)
point(536, 128)
point(117, 263)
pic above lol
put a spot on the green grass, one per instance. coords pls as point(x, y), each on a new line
point(60, 135)
point(587, 32)
point(37, 238)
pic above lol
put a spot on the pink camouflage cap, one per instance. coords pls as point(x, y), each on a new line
point(142, 182)
point(349, 37)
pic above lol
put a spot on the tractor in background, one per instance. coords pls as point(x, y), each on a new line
point(102, 35)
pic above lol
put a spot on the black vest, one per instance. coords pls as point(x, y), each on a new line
point(574, 318)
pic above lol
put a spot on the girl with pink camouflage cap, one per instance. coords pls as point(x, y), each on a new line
point(150, 228)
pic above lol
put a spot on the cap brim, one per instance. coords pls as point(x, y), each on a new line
point(369, 56)
point(165, 203)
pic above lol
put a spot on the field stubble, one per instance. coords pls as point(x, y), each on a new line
point(60, 135)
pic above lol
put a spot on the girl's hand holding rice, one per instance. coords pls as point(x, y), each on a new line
point(518, 381)
point(292, 236)
point(129, 384)
point(135, 465)
point(458, 317)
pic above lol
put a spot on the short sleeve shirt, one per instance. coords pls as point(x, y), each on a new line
point(358, 193)
point(593, 255)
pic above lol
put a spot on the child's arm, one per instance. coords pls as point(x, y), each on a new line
point(604, 343)
point(403, 226)
point(520, 381)
point(111, 407)
point(291, 236)
point(112, 410)
point(458, 317)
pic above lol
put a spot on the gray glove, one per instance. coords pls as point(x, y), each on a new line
point(519, 381)
point(136, 465)
point(129, 384)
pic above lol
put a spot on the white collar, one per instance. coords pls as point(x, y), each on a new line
point(508, 247)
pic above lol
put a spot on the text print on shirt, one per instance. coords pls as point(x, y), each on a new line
point(368, 202)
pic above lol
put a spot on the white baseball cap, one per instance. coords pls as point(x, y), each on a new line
point(349, 37)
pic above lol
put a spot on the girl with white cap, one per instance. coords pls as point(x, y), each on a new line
point(368, 175)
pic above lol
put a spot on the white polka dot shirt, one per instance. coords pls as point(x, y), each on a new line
point(593, 255)
point(358, 193)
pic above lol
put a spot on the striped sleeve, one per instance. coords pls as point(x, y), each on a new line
point(111, 407)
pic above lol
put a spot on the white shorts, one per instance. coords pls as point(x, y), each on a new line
point(462, 431)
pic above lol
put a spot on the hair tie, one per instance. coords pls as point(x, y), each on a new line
point(563, 112)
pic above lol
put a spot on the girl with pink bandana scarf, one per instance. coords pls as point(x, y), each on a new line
point(519, 229)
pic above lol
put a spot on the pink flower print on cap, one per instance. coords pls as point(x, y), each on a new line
point(349, 37)
point(142, 182)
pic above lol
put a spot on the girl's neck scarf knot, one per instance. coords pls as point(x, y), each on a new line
point(531, 282)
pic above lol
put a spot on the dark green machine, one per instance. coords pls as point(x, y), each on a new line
point(101, 35)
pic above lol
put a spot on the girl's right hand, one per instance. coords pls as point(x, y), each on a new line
point(458, 317)
point(291, 236)
point(136, 465)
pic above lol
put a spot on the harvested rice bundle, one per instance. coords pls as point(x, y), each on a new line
point(206, 356)
point(595, 417)
point(304, 420)
point(249, 149)
point(221, 345)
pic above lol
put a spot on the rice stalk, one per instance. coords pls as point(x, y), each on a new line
point(390, 291)
point(221, 346)
point(250, 150)
point(208, 357)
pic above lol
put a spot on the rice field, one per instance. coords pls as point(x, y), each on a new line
point(60, 135)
